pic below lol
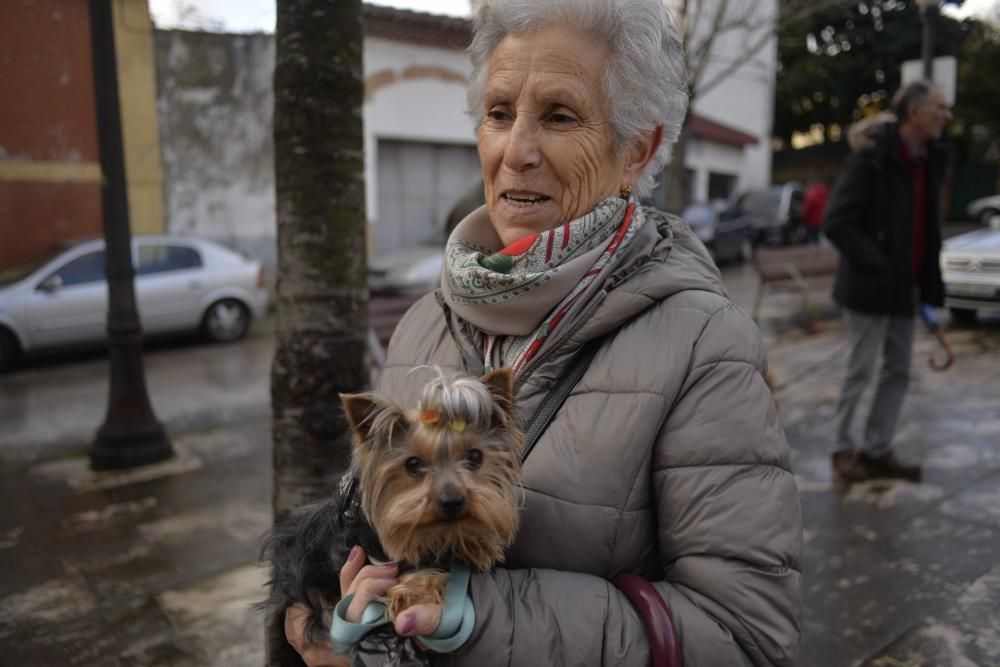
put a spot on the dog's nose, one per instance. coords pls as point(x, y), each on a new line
point(451, 505)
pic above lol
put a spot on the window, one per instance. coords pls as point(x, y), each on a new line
point(720, 186)
point(87, 268)
point(160, 258)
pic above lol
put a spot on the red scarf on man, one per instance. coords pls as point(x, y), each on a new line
point(917, 166)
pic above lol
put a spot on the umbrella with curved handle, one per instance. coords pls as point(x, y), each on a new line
point(937, 362)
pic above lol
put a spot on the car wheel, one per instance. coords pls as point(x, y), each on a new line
point(226, 320)
point(10, 352)
point(987, 215)
point(963, 315)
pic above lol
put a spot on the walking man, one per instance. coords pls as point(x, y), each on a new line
point(884, 216)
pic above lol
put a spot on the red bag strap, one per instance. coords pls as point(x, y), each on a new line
point(664, 647)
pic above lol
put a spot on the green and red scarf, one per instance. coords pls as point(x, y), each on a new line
point(518, 295)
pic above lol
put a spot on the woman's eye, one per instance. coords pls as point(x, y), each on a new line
point(414, 465)
point(561, 118)
point(497, 115)
point(474, 458)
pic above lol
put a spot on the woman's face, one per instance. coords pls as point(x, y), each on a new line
point(545, 142)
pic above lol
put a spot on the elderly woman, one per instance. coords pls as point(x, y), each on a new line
point(667, 458)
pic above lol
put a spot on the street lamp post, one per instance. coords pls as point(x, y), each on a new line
point(130, 435)
point(929, 10)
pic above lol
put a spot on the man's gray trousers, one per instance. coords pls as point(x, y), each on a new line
point(867, 337)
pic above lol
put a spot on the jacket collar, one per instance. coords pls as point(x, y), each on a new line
point(888, 144)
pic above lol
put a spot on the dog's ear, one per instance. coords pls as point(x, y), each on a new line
point(367, 412)
point(360, 409)
point(501, 385)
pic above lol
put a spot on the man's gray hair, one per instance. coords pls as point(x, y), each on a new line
point(645, 82)
point(911, 95)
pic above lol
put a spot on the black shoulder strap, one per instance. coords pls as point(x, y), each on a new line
point(558, 394)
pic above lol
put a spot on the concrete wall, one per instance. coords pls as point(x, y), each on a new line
point(214, 101)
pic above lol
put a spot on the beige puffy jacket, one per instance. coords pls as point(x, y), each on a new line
point(667, 460)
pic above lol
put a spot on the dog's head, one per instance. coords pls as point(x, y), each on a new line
point(441, 480)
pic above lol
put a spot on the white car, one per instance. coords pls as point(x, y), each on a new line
point(970, 265)
point(181, 284)
point(984, 209)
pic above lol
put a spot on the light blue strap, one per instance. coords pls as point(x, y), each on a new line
point(458, 618)
point(344, 634)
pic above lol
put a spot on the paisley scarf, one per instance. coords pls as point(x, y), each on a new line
point(518, 295)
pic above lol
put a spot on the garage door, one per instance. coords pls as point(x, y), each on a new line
point(418, 184)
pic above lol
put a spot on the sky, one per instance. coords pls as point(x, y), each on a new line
point(258, 15)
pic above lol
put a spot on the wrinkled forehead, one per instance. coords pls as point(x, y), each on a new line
point(554, 62)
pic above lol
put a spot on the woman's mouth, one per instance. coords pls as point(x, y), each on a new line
point(523, 199)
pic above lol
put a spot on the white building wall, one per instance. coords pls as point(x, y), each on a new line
point(706, 156)
point(413, 93)
point(745, 98)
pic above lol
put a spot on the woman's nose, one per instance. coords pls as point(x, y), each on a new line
point(522, 150)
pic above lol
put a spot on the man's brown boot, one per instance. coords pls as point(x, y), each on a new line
point(888, 466)
point(847, 467)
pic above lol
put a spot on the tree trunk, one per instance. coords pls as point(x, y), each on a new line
point(322, 295)
point(677, 186)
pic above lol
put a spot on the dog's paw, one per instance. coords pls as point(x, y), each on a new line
point(420, 587)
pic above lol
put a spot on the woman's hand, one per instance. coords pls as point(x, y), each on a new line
point(366, 582)
point(314, 655)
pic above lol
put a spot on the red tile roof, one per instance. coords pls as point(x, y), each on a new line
point(403, 25)
point(711, 130)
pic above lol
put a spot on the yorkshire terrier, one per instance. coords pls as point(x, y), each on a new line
point(427, 486)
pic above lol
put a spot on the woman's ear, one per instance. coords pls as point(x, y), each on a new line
point(641, 151)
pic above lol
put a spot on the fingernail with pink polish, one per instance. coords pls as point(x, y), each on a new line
point(353, 554)
point(409, 624)
point(388, 566)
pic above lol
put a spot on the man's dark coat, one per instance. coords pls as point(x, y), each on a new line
point(870, 221)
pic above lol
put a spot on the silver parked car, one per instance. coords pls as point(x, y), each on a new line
point(776, 213)
point(984, 209)
point(970, 265)
point(181, 284)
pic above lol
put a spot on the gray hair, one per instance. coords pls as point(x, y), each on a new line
point(645, 83)
point(911, 95)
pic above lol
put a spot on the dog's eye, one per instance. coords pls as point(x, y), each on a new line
point(414, 465)
point(474, 458)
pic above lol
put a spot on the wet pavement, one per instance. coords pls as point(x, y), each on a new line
point(156, 566)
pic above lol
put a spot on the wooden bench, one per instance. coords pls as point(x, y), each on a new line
point(792, 269)
point(384, 312)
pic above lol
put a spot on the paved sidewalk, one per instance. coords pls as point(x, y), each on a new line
point(898, 574)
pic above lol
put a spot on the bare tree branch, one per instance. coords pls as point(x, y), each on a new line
point(699, 60)
point(750, 22)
